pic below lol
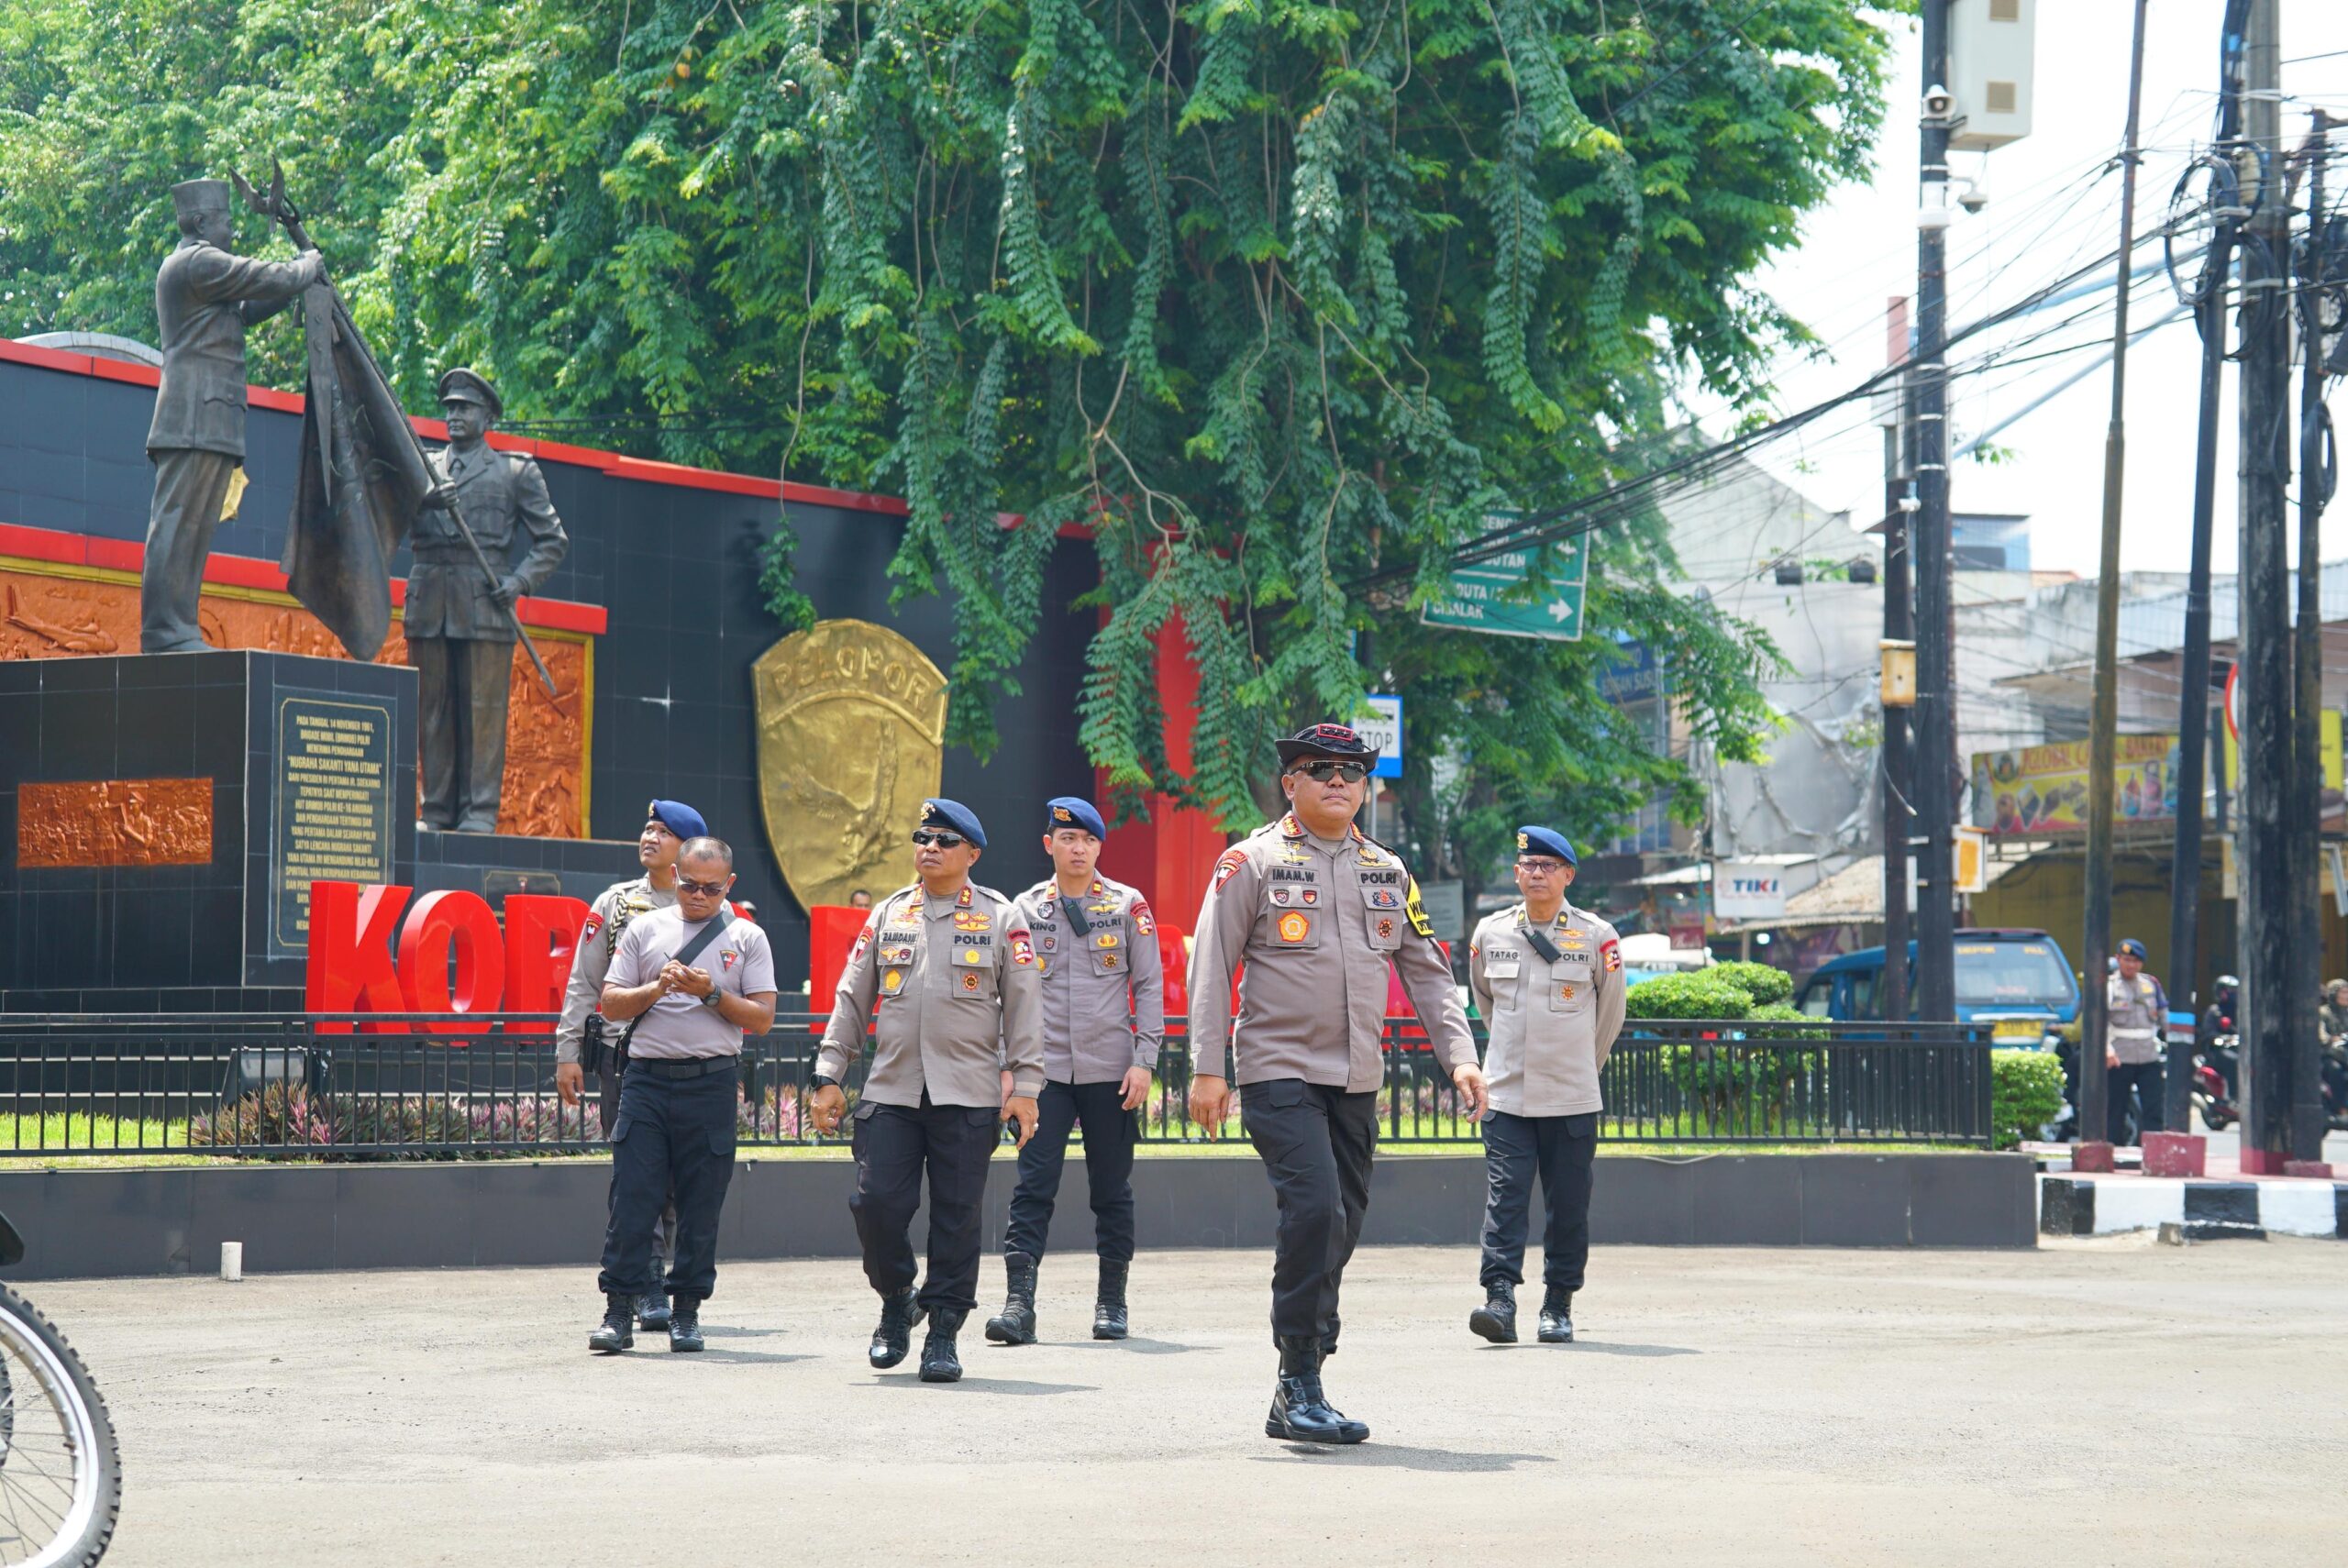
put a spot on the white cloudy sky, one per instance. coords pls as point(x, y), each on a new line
point(2055, 205)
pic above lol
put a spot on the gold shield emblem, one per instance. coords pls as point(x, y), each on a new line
point(851, 738)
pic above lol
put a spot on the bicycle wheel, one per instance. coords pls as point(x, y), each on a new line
point(60, 1474)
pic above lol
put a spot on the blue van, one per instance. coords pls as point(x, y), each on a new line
point(2019, 982)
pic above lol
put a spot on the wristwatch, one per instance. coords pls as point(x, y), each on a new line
point(709, 1001)
point(820, 1083)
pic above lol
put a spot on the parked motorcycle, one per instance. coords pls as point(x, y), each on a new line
point(2211, 1098)
point(60, 1473)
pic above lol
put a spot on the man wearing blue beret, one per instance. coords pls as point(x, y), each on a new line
point(950, 969)
point(666, 825)
point(1104, 1019)
point(1548, 979)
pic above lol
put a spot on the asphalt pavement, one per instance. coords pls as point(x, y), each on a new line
point(2107, 1401)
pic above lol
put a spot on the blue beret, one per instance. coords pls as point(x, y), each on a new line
point(1067, 812)
point(954, 817)
point(2132, 947)
point(1547, 841)
point(677, 818)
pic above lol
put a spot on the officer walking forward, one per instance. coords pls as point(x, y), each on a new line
point(666, 825)
point(699, 978)
point(1104, 1019)
point(1316, 913)
point(2135, 1009)
point(951, 970)
point(1548, 980)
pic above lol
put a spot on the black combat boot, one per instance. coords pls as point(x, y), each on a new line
point(1496, 1319)
point(652, 1308)
point(1109, 1302)
point(895, 1335)
point(617, 1332)
point(1301, 1413)
point(684, 1323)
point(1016, 1323)
point(938, 1362)
point(1557, 1317)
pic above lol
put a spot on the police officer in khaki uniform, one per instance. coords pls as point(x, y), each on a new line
point(1548, 979)
point(1104, 1019)
point(2136, 1008)
point(950, 969)
point(666, 825)
point(459, 637)
point(697, 977)
point(205, 295)
point(1317, 912)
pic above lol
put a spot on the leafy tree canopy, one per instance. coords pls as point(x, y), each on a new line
point(1268, 294)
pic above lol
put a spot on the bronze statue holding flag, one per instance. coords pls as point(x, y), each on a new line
point(364, 479)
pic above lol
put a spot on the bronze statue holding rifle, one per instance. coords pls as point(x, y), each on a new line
point(460, 620)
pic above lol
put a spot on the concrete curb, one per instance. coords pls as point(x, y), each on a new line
point(2208, 1209)
point(99, 1224)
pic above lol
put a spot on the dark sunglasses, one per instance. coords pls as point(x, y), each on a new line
point(926, 837)
point(702, 890)
point(1349, 772)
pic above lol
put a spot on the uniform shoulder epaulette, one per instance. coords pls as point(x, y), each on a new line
point(1381, 848)
point(989, 892)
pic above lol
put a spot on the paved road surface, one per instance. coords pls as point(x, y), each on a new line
point(2105, 1402)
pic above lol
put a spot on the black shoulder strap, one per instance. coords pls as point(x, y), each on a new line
point(686, 954)
point(692, 949)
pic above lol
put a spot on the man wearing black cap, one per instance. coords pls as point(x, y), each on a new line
point(205, 295)
point(2135, 1009)
point(1318, 913)
point(1104, 1019)
point(950, 969)
point(666, 825)
point(1548, 979)
point(458, 634)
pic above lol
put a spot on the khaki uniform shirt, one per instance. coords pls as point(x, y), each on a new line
point(2133, 1011)
point(501, 494)
point(591, 955)
point(681, 1025)
point(1104, 987)
point(956, 989)
point(1317, 924)
point(1552, 1024)
point(205, 298)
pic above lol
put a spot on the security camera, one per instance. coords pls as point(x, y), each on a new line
point(1939, 102)
point(1973, 198)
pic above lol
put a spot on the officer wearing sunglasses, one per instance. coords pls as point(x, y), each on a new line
point(950, 968)
point(1319, 914)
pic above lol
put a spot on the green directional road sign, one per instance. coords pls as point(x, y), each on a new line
point(1476, 602)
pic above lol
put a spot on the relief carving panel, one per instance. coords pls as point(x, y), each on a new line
point(121, 822)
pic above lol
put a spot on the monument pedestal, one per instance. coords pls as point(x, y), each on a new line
point(163, 816)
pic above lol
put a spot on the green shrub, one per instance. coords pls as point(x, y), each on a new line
point(1695, 993)
point(1790, 1023)
point(1765, 986)
point(2025, 1093)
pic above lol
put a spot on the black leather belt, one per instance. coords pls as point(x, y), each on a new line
point(682, 1067)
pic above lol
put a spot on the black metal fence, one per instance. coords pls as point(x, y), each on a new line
point(372, 1087)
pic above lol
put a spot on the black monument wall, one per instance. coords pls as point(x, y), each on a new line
point(674, 565)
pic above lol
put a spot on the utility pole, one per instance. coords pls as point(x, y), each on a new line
point(2103, 731)
point(2193, 678)
point(1935, 716)
point(2264, 683)
point(1898, 625)
point(2306, 850)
